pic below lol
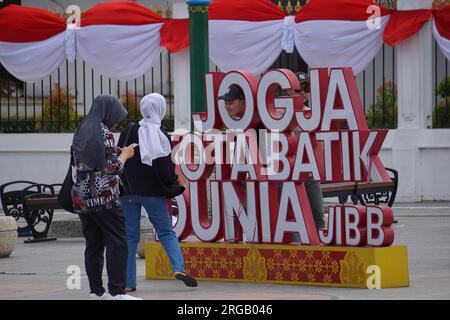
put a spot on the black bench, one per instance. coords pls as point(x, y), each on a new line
point(377, 193)
point(32, 207)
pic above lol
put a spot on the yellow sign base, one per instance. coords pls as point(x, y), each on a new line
point(385, 267)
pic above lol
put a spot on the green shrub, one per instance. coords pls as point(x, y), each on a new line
point(14, 125)
point(63, 102)
point(59, 112)
point(168, 123)
point(383, 115)
point(441, 115)
point(131, 103)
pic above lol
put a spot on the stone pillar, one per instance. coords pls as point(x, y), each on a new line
point(414, 69)
point(147, 235)
point(8, 236)
point(181, 72)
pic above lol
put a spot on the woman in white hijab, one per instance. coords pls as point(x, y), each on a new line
point(148, 181)
point(153, 142)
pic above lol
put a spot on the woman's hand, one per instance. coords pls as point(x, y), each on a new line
point(126, 153)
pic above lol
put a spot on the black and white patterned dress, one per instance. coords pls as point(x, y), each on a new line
point(97, 190)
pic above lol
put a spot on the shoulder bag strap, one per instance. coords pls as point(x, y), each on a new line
point(126, 185)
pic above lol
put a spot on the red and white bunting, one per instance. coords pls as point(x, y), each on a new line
point(123, 39)
point(32, 42)
point(120, 40)
point(441, 29)
point(339, 33)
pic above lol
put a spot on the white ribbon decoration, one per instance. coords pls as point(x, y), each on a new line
point(287, 39)
point(71, 42)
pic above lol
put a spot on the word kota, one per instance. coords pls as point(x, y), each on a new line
point(327, 156)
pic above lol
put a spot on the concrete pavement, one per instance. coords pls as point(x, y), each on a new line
point(39, 270)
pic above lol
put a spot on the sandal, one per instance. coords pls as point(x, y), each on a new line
point(187, 279)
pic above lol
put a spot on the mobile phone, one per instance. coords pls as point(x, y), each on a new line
point(133, 145)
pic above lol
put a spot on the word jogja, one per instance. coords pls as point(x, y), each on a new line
point(264, 197)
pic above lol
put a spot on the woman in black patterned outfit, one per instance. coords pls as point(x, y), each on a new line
point(95, 196)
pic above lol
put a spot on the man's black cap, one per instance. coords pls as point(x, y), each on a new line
point(302, 77)
point(234, 92)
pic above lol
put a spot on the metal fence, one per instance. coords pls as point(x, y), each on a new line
point(378, 89)
point(376, 85)
point(441, 90)
point(59, 102)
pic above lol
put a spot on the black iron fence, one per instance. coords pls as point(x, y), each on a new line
point(59, 102)
point(378, 90)
point(377, 85)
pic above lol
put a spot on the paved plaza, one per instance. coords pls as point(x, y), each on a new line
point(39, 270)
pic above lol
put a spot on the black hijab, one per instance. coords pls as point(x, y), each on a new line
point(88, 143)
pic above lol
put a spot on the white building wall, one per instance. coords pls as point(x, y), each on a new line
point(42, 158)
point(45, 158)
point(422, 159)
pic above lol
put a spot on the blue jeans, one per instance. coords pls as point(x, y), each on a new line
point(158, 214)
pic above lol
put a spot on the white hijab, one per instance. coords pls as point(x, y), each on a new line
point(153, 143)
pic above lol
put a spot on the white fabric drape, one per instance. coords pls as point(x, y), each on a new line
point(339, 43)
point(71, 42)
point(287, 40)
point(153, 143)
point(118, 51)
point(252, 46)
point(444, 43)
point(32, 61)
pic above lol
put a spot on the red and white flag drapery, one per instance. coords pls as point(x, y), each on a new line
point(123, 39)
point(326, 33)
point(32, 42)
point(441, 29)
point(245, 34)
point(251, 35)
point(337, 34)
point(120, 40)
